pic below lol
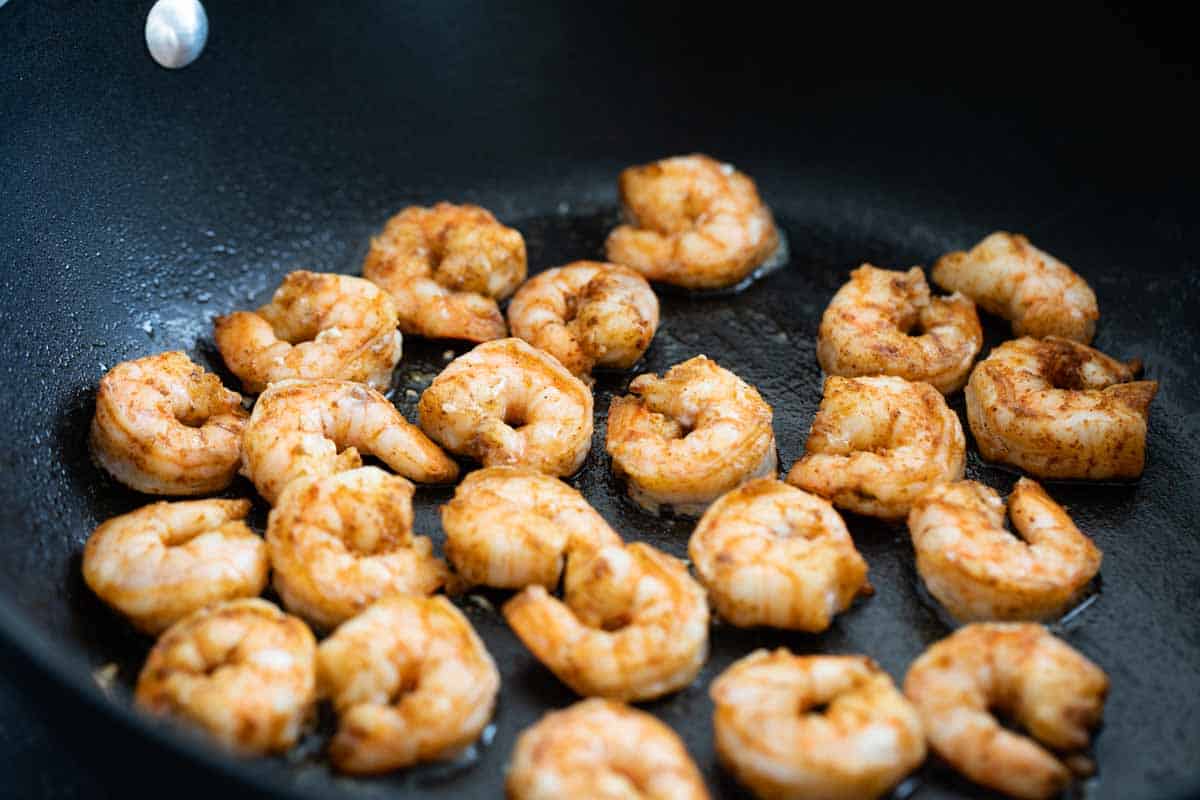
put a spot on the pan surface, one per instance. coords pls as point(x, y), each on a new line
point(137, 204)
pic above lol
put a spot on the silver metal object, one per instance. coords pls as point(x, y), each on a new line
point(176, 31)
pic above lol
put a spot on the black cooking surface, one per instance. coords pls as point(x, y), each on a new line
point(137, 204)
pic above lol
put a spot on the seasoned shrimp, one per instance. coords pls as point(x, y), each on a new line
point(980, 571)
point(339, 542)
point(685, 439)
point(411, 681)
point(1021, 669)
point(317, 428)
point(634, 625)
point(868, 329)
point(508, 403)
point(1011, 278)
point(602, 749)
point(510, 527)
point(877, 444)
point(160, 563)
point(165, 426)
point(771, 554)
point(693, 222)
point(771, 734)
point(446, 267)
point(242, 671)
point(317, 325)
point(587, 314)
point(1059, 409)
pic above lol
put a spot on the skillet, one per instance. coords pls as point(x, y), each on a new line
point(135, 204)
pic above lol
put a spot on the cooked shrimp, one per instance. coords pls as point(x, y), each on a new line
point(877, 444)
point(339, 542)
point(685, 439)
point(634, 625)
point(693, 222)
point(160, 563)
point(411, 681)
point(587, 314)
point(601, 749)
point(317, 325)
point(1059, 409)
point(868, 330)
point(508, 403)
point(771, 735)
point(1018, 668)
point(446, 267)
point(299, 428)
point(510, 527)
point(165, 426)
point(242, 671)
point(980, 571)
point(1011, 278)
point(771, 554)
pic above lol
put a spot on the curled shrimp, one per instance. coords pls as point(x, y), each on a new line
point(883, 322)
point(411, 681)
point(243, 671)
point(602, 749)
point(506, 403)
point(685, 439)
point(1011, 278)
point(446, 267)
point(1059, 409)
point(339, 542)
point(693, 222)
point(510, 527)
point(980, 571)
point(771, 554)
point(877, 444)
point(587, 314)
point(634, 624)
point(160, 563)
point(317, 325)
point(771, 734)
point(165, 426)
point(317, 428)
point(1044, 685)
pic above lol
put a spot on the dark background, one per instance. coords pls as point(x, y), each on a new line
point(1071, 114)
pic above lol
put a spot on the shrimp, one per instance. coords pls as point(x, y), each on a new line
point(1044, 685)
point(317, 325)
point(868, 329)
point(587, 314)
point(506, 403)
point(602, 749)
point(685, 439)
point(877, 444)
point(411, 681)
point(1059, 409)
point(446, 267)
point(242, 671)
point(693, 222)
point(165, 426)
point(1011, 278)
point(634, 625)
point(771, 554)
point(298, 428)
point(980, 571)
point(160, 563)
point(340, 542)
point(771, 734)
point(510, 527)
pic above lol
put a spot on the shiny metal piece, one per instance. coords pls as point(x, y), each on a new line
point(176, 31)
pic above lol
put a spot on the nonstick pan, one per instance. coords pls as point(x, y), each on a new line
point(136, 204)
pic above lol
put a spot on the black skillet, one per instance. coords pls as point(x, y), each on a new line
point(136, 204)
